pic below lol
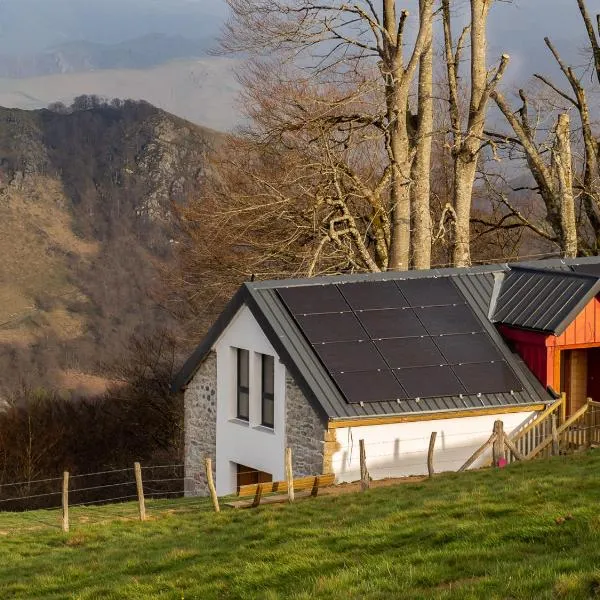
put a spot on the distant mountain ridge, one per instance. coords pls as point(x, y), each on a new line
point(140, 53)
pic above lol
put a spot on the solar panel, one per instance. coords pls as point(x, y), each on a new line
point(467, 348)
point(430, 291)
point(410, 352)
point(307, 299)
point(350, 356)
point(331, 327)
point(369, 386)
point(429, 381)
point(442, 320)
point(488, 378)
point(389, 340)
point(372, 295)
point(391, 323)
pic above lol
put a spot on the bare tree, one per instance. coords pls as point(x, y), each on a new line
point(467, 134)
point(354, 47)
point(560, 188)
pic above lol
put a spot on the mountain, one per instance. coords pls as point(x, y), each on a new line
point(140, 53)
point(86, 228)
point(32, 26)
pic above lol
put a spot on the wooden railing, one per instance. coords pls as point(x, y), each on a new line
point(532, 434)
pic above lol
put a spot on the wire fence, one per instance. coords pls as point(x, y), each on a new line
point(111, 495)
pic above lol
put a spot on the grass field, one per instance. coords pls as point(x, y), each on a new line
point(526, 532)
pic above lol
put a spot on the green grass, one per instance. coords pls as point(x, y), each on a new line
point(494, 534)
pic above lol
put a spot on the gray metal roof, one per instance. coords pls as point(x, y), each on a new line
point(477, 285)
point(543, 300)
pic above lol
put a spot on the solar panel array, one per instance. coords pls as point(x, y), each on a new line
point(395, 340)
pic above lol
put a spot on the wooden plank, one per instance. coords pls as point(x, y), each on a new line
point(278, 499)
point(475, 412)
point(513, 448)
point(300, 483)
point(430, 453)
point(540, 418)
point(478, 452)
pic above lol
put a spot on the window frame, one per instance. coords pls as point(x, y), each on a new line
point(267, 397)
point(241, 389)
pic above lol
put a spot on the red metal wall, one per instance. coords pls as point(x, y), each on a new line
point(540, 352)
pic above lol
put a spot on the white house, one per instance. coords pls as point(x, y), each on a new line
point(318, 364)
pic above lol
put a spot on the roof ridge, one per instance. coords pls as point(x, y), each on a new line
point(553, 272)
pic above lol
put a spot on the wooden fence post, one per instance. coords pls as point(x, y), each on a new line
point(140, 490)
point(211, 484)
point(289, 474)
point(555, 443)
point(498, 445)
point(65, 502)
point(563, 408)
point(364, 473)
point(430, 453)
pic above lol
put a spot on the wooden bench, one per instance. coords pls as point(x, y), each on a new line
point(307, 486)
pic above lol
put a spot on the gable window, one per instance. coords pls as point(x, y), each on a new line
point(268, 391)
point(243, 384)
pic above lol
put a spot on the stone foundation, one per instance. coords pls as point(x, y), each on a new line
point(200, 426)
point(305, 432)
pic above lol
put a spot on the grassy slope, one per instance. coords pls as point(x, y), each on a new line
point(487, 534)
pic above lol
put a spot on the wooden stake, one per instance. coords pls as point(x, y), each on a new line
point(289, 474)
point(563, 408)
point(257, 496)
point(65, 502)
point(478, 452)
point(364, 473)
point(140, 490)
point(498, 446)
point(211, 484)
point(555, 443)
point(430, 453)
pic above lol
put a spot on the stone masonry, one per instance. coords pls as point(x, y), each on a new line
point(200, 426)
point(305, 432)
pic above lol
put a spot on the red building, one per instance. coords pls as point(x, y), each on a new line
point(552, 320)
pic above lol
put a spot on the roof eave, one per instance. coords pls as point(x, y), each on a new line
point(191, 365)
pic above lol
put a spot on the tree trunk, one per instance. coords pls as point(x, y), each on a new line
point(564, 175)
point(421, 189)
point(467, 156)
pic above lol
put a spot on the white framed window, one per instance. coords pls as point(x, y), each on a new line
point(243, 385)
point(267, 392)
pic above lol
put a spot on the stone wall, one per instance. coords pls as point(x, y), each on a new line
point(305, 432)
point(200, 426)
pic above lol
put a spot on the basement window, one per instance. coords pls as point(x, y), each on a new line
point(268, 391)
point(243, 384)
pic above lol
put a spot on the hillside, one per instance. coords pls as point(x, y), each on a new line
point(528, 531)
point(85, 226)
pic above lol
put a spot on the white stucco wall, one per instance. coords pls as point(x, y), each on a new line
point(399, 450)
point(246, 443)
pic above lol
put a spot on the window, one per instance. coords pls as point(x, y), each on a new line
point(268, 391)
point(243, 384)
